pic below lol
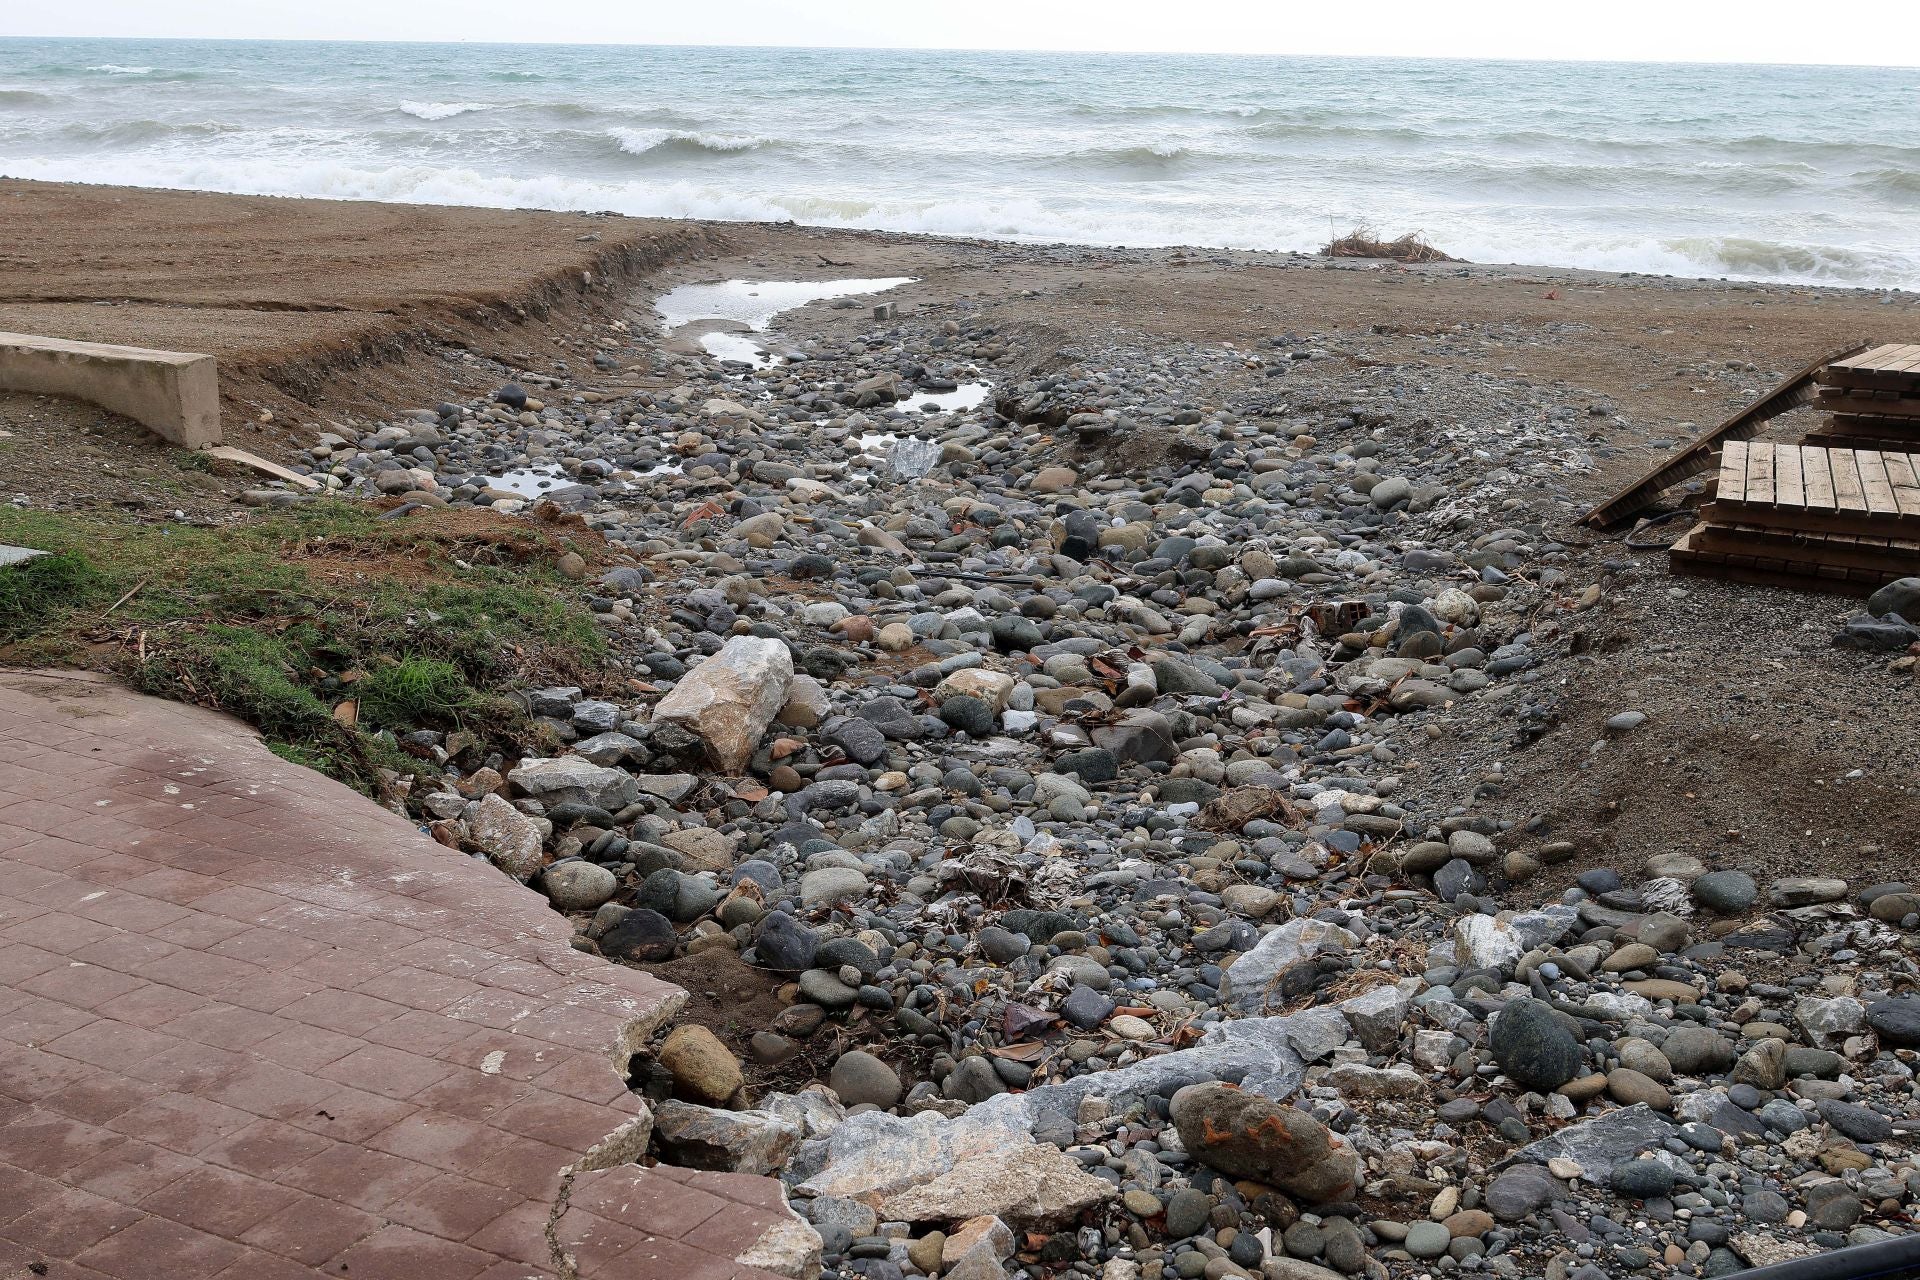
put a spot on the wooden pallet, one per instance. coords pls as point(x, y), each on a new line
point(1832, 435)
point(1871, 424)
point(1894, 366)
point(1862, 492)
point(1766, 567)
point(1877, 404)
point(1891, 557)
point(1697, 455)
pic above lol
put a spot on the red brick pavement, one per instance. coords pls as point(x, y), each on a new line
point(253, 1026)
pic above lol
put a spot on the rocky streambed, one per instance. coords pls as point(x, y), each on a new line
point(1078, 816)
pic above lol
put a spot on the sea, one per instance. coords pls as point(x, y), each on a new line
point(1778, 173)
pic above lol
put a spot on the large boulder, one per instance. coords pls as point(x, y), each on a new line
point(697, 1137)
point(729, 700)
point(1901, 596)
point(1244, 1135)
point(1534, 1047)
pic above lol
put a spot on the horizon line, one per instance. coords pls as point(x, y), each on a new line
point(917, 48)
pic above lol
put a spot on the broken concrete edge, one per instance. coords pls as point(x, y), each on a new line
point(174, 394)
point(17, 555)
point(788, 1247)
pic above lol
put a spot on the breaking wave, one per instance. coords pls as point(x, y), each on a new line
point(645, 142)
point(442, 110)
point(1777, 173)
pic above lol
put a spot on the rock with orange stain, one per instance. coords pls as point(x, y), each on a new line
point(1244, 1135)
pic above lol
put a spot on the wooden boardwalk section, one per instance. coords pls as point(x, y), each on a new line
point(1796, 515)
point(1838, 511)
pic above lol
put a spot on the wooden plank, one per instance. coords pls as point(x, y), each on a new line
point(1760, 473)
point(1874, 484)
point(1885, 405)
point(1733, 471)
point(1789, 490)
point(1815, 467)
point(1846, 481)
point(1903, 473)
point(1796, 548)
point(1684, 559)
point(1697, 455)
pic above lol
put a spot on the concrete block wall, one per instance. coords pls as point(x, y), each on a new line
point(174, 394)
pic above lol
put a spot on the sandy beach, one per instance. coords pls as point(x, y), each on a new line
point(1175, 453)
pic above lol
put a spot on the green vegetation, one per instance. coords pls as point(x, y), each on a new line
point(321, 625)
point(41, 589)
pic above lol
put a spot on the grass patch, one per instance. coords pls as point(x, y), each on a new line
point(36, 593)
point(1361, 242)
point(416, 691)
point(281, 618)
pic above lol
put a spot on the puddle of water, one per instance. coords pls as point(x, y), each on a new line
point(528, 482)
point(736, 346)
point(662, 469)
point(965, 396)
point(754, 303)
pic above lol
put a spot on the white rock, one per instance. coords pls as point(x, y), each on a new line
point(1248, 981)
point(731, 698)
point(1356, 1080)
point(507, 836)
point(1035, 1185)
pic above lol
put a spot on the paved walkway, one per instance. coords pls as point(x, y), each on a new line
point(253, 1026)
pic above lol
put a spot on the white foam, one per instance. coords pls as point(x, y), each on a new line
point(640, 142)
point(442, 110)
point(115, 69)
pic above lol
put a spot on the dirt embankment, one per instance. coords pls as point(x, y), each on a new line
point(320, 308)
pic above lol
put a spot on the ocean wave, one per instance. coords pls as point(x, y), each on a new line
point(1140, 162)
point(115, 69)
point(442, 110)
point(1485, 229)
point(137, 132)
point(646, 142)
point(1769, 259)
point(22, 97)
point(1900, 184)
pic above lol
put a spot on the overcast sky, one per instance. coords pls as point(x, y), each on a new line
point(1869, 31)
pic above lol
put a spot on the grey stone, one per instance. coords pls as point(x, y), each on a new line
point(574, 885)
point(1533, 1047)
point(1595, 1146)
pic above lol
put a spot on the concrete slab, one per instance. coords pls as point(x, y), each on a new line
point(174, 394)
point(15, 555)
